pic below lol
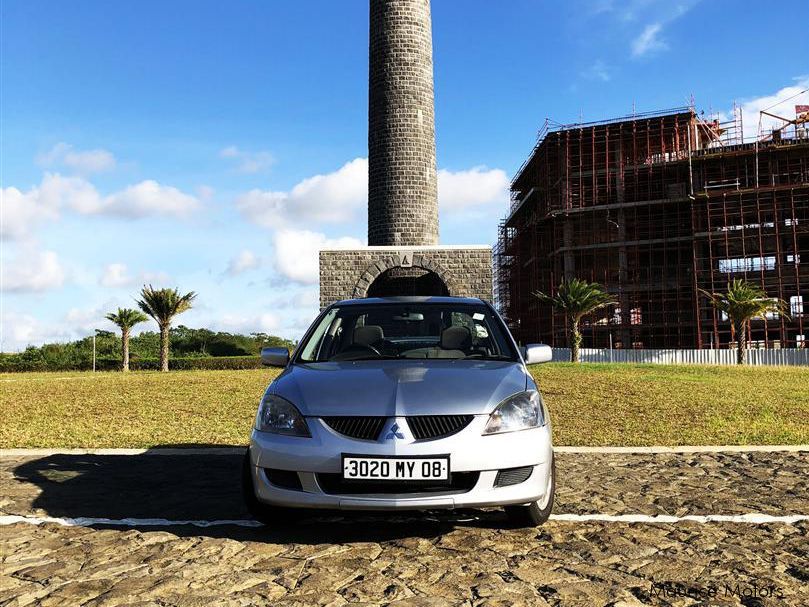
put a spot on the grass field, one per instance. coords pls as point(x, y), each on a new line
point(594, 404)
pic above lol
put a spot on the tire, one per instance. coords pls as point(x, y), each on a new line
point(535, 513)
point(271, 516)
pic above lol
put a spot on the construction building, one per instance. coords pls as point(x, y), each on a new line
point(658, 207)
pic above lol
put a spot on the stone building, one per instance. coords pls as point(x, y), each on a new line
point(403, 256)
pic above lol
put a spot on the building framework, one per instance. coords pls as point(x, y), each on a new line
point(658, 207)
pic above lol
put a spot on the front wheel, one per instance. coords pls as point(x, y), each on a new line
point(263, 513)
point(535, 513)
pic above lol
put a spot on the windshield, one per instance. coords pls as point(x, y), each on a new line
point(408, 331)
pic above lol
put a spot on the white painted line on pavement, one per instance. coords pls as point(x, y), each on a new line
point(753, 518)
point(685, 449)
point(157, 451)
point(750, 519)
point(36, 452)
point(122, 522)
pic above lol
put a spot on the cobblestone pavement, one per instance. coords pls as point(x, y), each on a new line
point(432, 559)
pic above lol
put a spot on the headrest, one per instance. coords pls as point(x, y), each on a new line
point(368, 335)
point(456, 338)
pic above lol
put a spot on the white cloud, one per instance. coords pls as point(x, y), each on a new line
point(25, 330)
point(266, 322)
point(115, 275)
point(649, 41)
point(17, 331)
point(267, 209)
point(148, 198)
point(296, 253)
point(84, 162)
point(23, 211)
point(154, 278)
point(21, 330)
point(598, 7)
point(656, 14)
point(476, 187)
point(205, 192)
point(331, 198)
point(244, 261)
point(33, 271)
point(245, 324)
point(339, 196)
point(83, 321)
point(248, 162)
point(781, 103)
point(306, 299)
point(599, 70)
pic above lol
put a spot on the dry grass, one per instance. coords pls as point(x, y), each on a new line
point(589, 404)
point(601, 404)
point(142, 409)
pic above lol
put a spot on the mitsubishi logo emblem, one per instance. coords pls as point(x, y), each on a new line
point(394, 433)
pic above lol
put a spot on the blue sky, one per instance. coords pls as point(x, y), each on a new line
point(216, 146)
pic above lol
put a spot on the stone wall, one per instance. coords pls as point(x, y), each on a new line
point(402, 182)
point(347, 274)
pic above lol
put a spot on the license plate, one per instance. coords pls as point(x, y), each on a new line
point(396, 468)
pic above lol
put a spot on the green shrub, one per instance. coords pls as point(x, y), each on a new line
point(14, 363)
point(185, 364)
point(190, 349)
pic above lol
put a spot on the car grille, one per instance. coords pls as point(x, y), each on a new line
point(423, 427)
point(363, 428)
point(334, 484)
point(437, 426)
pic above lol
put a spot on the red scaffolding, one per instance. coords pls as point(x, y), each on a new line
point(656, 207)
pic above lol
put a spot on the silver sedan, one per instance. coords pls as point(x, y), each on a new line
point(403, 404)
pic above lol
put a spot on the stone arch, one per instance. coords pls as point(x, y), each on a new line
point(378, 267)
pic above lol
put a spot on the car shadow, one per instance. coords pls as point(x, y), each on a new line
point(199, 487)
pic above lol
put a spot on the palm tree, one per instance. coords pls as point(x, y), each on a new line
point(577, 298)
point(163, 305)
point(742, 302)
point(126, 318)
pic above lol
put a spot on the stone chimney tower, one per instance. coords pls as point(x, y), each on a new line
point(402, 187)
point(403, 256)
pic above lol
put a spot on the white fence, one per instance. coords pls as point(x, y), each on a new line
point(786, 356)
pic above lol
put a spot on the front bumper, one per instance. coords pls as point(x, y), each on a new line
point(469, 451)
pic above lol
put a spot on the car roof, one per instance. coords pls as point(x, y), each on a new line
point(409, 299)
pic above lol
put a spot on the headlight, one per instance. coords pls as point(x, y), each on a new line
point(519, 412)
point(280, 417)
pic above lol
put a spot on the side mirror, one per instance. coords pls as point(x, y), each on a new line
point(274, 357)
point(537, 353)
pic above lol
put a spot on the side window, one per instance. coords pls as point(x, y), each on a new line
point(310, 352)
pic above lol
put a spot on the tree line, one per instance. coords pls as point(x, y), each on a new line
point(163, 306)
point(742, 302)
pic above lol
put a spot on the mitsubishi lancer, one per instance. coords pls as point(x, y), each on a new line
point(402, 403)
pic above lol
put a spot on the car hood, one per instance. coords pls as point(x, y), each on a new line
point(392, 388)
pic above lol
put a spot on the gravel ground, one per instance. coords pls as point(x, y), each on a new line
point(462, 558)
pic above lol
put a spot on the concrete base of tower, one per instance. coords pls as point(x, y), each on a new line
point(459, 271)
